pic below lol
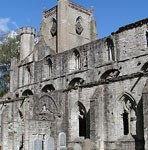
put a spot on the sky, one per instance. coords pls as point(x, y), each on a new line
point(109, 14)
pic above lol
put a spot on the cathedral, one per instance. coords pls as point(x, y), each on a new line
point(71, 90)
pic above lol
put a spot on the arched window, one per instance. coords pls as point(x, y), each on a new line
point(129, 114)
point(82, 120)
point(110, 46)
point(49, 66)
point(75, 61)
point(76, 82)
point(48, 88)
point(126, 123)
point(78, 25)
point(27, 93)
point(27, 74)
point(53, 29)
point(110, 74)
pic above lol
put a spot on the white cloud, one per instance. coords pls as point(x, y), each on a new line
point(4, 25)
point(15, 24)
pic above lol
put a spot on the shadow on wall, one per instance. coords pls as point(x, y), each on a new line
point(139, 138)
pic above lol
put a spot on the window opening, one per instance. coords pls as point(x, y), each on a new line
point(48, 88)
point(78, 26)
point(49, 66)
point(27, 93)
point(53, 30)
point(82, 120)
point(126, 123)
point(77, 59)
point(110, 46)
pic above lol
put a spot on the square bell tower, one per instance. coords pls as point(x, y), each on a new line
point(67, 25)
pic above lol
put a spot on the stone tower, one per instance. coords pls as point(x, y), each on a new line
point(27, 43)
point(67, 25)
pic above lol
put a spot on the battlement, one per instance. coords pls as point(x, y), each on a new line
point(49, 12)
point(27, 30)
point(80, 8)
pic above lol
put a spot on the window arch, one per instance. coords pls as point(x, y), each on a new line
point(49, 66)
point(75, 61)
point(129, 114)
point(78, 26)
point(76, 82)
point(49, 63)
point(27, 74)
point(110, 74)
point(82, 120)
point(27, 92)
point(110, 46)
point(53, 29)
point(48, 88)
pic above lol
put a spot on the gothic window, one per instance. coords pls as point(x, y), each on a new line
point(146, 37)
point(129, 115)
point(110, 74)
point(49, 63)
point(126, 123)
point(27, 93)
point(53, 29)
point(75, 61)
point(82, 120)
point(76, 82)
point(110, 48)
point(27, 74)
point(48, 88)
point(78, 25)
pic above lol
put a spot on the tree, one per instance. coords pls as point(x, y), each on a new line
point(9, 48)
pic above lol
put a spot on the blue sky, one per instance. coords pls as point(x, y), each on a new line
point(109, 14)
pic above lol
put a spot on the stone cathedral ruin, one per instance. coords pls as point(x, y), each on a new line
point(73, 91)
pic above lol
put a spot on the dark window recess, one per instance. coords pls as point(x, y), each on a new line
point(110, 46)
point(125, 123)
point(82, 124)
point(48, 88)
point(84, 121)
point(27, 93)
point(146, 37)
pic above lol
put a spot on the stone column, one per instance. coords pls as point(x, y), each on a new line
point(26, 125)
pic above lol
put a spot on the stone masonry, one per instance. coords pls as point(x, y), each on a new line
point(73, 91)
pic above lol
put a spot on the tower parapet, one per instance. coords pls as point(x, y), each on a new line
point(28, 30)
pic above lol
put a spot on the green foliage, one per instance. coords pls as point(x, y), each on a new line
point(8, 49)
